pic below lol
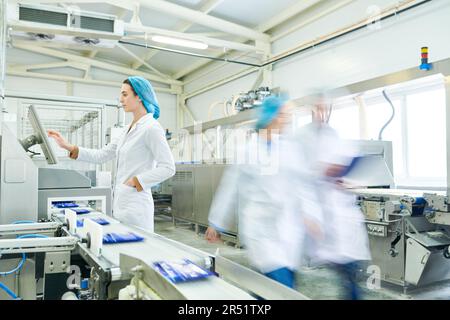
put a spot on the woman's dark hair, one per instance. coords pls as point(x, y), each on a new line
point(129, 83)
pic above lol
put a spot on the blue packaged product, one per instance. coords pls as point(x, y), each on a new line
point(81, 210)
point(113, 237)
point(100, 221)
point(181, 271)
point(65, 205)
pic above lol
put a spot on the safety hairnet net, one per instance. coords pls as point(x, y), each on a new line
point(269, 110)
point(145, 91)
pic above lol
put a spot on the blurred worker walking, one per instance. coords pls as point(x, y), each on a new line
point(345, 241)
point(274, 197)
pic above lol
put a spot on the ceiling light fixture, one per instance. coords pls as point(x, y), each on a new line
point(180, 42)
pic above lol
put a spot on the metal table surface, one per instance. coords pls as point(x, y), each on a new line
point(395, 192)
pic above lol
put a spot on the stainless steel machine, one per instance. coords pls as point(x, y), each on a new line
point(41, 186)
point(35, 259)
point(27, 194)
point(407, 230)
point(409, 235)
point(56, 185)
point(193, 189)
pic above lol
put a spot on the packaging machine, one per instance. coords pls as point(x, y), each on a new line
point(409, 234)
point(120, 270)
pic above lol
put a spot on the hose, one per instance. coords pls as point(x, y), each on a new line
point(380, 135)
point(23, 222)
point(212, 106)
point(22, 262)
point(26, 236)
point(8, 291)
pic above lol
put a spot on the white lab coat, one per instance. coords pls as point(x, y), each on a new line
point(269, 212)
point(345, 236)
point(142, 152)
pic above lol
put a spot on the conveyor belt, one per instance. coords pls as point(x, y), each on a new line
point(153, 248)
point(156, 248)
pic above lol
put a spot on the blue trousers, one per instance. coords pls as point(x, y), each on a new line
point(283, 275)
point(348, 276)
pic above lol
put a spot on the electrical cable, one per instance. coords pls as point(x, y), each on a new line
point(380, 135)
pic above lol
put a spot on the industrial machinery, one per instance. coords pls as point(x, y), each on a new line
point(41, 185)
point(409, 235)
point(251, 99)
point(29, 193)
point(193, 189)
point(407, 230)
point(56, 185)
point(77, 259)
point(34, 260)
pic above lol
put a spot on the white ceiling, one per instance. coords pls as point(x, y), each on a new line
point(249, 14)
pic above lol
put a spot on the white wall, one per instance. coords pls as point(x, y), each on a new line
point(360, 56)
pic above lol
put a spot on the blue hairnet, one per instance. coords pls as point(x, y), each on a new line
point(269, 110)
point(145, 91)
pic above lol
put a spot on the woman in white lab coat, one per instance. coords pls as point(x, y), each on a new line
point(270, 215)
point(143, 157)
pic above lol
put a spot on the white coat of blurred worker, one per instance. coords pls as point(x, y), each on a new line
point(272, 194)
point(345, 241)
point(142, 154)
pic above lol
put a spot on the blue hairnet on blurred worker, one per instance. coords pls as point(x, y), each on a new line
point(270, 217)
point(269, 111)
point(142, 153)
point(345, 241)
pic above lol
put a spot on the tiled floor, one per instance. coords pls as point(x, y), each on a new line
point(317, 283)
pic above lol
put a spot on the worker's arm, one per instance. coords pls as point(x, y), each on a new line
point(155, 140)
point(89, 155)
point(99, 156)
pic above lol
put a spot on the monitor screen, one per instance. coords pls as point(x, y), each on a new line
point(40, 136)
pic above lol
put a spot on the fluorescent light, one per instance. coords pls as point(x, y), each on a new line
point(180, 42)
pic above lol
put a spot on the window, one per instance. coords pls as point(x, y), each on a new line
point(377, 115)
point(345, 120)
point(301, 120)
point(425, 117)
point(417, 131)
